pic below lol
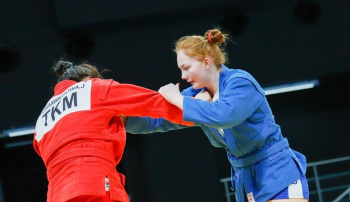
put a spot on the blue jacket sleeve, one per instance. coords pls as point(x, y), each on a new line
point(238, 99)
point(145, 125)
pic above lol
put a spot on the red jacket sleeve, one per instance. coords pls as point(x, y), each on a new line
point(132, 100)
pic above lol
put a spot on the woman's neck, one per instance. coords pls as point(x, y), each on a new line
point(213, 84)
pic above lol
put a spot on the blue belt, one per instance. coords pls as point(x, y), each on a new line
point(250, 159)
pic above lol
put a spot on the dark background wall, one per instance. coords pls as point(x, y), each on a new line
point(276, 41)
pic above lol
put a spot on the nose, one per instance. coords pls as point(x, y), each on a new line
point(183, 75)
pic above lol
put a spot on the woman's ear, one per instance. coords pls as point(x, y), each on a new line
point(207, 63)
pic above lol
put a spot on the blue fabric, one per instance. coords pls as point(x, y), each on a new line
point(242, 111)
point(250, 159)
point(284, 194)
point(266, 167)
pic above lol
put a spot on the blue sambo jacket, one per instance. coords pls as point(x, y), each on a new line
point(262, 162)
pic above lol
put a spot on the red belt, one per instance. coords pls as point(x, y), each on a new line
point(52, 167)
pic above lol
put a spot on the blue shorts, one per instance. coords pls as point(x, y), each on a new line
point(298, 189)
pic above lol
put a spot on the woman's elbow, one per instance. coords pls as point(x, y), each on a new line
point(228, 122)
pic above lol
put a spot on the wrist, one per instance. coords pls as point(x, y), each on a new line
point(179, 101)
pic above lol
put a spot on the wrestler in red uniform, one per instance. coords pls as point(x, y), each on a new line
point(81, 137)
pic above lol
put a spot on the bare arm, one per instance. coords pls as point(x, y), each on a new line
point(171, 93)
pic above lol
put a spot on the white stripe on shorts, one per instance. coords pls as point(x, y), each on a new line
point(295, 190)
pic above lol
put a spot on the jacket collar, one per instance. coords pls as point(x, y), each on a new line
point(63, 85)
point(223, 73)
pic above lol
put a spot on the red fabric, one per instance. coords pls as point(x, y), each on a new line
point(84, 147)
point(92, 198)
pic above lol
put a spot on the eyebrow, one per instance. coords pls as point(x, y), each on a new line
point(182, 65)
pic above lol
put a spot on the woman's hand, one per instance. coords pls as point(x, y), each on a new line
point(171, 93)
point(204, 95)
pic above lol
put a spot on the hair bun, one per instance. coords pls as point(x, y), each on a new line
point(215, 36)
point(61, 66)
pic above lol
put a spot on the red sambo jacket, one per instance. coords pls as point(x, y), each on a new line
point(81, 138)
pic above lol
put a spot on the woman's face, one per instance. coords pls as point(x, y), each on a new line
point(192, 70)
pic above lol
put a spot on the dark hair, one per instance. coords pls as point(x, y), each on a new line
point(211, 44)
point(66, 70)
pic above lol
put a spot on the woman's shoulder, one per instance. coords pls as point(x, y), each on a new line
point(239, 76)
point(229, 73)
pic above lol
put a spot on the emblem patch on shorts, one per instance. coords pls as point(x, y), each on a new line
point(250, 197)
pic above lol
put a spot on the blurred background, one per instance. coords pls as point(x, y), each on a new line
point(278, 42)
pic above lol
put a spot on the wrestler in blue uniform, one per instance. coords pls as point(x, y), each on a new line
point(240, 120)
